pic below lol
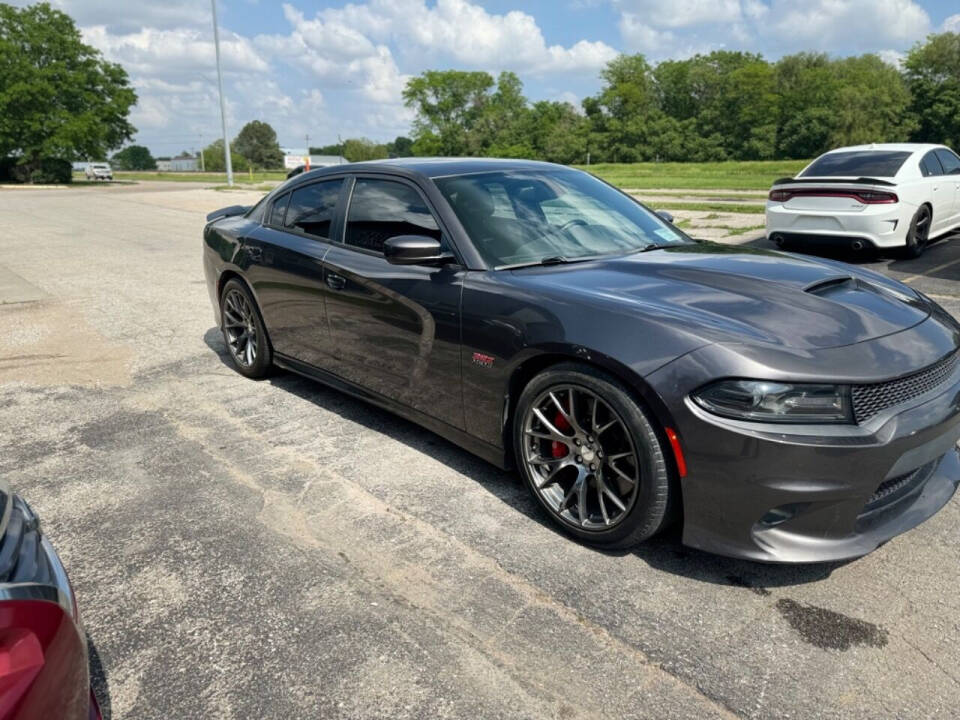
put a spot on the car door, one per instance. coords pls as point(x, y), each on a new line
point(940, 191)
point(394, 329)
point(951, 171)
point(286, 272)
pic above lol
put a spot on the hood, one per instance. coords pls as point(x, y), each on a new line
point(729, 294)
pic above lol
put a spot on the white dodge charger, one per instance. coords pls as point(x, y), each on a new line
point(883, 196)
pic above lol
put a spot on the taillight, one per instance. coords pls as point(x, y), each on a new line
point(21, 660)
point(867, 197)
point(43, 661)
point(876, 197)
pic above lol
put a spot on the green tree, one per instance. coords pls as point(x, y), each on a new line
point(872, 104)
point(257, 142)
point(499, 127)
point(808, 86)
point(556, 132)
point(360, 149)
point(732, 96)
point(134, 157)
point(448, 105)
point(401, 147)
point(58, 97)
point(214, 160)
point(327, 150)
point(932, 72)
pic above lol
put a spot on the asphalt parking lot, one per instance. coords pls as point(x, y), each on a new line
point(276, 549)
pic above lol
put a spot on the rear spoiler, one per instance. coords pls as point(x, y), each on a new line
point(226, 212)
point(844, 181)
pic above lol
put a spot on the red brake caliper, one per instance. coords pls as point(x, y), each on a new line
point(557, 448)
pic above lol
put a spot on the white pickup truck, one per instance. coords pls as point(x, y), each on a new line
point(99, 171)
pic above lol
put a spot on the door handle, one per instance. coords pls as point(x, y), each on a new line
point(336, 282)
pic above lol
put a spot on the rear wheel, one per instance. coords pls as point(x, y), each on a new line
point(243, 331)
point(919, 232)
point(591, 457)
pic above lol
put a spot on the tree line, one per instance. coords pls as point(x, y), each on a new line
point(726, 105)
point(61, 101)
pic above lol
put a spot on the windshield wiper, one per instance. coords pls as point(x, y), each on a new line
point(552, 260)
point(655, 246)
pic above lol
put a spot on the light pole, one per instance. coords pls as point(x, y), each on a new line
point(223, 108)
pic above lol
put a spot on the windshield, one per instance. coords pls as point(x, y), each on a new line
point(857, 163)
point(529, 216)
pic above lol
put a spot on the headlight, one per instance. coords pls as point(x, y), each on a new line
point(765, 401)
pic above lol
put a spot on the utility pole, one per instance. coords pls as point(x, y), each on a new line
point(203, 166)
point(223, 107)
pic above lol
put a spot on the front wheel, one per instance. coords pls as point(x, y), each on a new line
point(243, 331)
point(919, 232)
point(591, 456)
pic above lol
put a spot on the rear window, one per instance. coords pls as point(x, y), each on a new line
point(858, 163)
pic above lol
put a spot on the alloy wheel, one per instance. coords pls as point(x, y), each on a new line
point(581, 457)
point(240, 328)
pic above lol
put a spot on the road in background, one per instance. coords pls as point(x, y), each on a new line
point(276, 549)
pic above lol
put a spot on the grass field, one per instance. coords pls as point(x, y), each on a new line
point(753, 175)
point(210, 178)
point(709, 207)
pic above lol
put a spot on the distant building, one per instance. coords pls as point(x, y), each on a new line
point(183, 163)
point(163, 164)
point(295, 157)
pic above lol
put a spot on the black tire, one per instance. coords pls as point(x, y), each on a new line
point(648, 512)
point(252, 359)
point(918, 234)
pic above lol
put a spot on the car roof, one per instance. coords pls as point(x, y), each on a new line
point(888, 147)
point(431, 167)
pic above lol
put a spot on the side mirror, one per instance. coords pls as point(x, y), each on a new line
point(664, 215)
point(414, 250)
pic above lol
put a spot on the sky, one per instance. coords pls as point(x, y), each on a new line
point(329, 69)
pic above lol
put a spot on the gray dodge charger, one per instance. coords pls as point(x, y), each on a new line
point(781, 408)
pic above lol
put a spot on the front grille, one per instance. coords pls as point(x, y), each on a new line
point(868, 400)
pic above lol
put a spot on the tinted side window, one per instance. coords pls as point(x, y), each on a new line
point(277, 210)
point(950, 162)
point(382, 209)
point(312, 208)
point(930, 166)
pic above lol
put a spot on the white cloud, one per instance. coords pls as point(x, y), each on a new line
point(850, 26)
point(683, 13)
point(952, 24)
point(893, 57)
point(640, 37)
point(150, 51)
point(127, 15)
point(456, 29)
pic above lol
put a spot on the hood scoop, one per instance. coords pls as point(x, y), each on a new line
point(823, 288)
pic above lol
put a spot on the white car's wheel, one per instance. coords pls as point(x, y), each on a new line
point(919, 232)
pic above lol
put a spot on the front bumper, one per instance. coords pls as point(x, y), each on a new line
point(796, 494)
point(882, 226)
